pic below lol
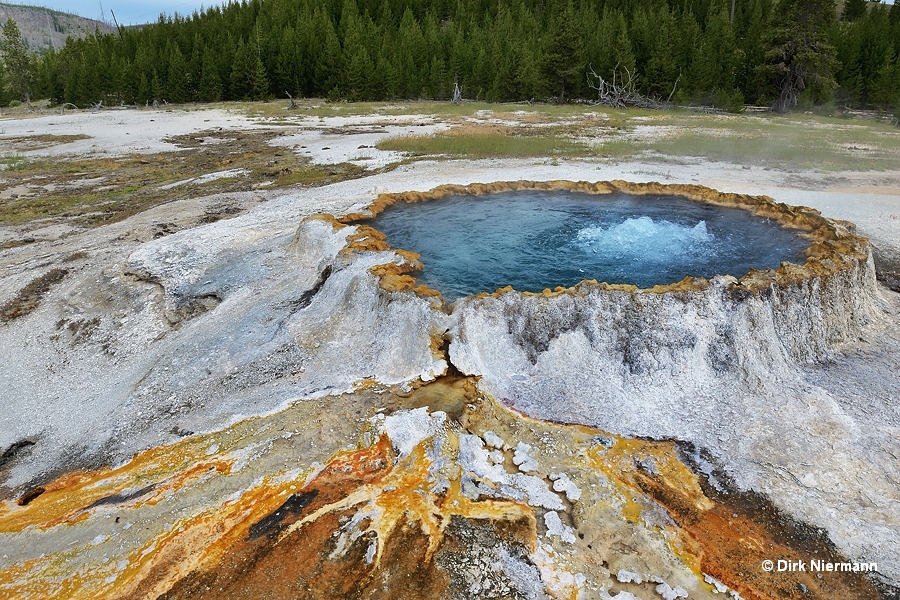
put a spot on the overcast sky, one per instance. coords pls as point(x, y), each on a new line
point(128, 12)
point(132, 12)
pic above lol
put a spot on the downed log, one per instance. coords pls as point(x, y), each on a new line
point(622, 91)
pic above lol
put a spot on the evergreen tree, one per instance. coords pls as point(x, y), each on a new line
point(90, 86)
point(17, 61)
point(357, 65)
point(662, 68)
point(853, 9)
point(259, 86)
point(611, 46)
point(72, 83)
point(711, 76)
point(195, 68)
point(642, 34)
point(801, 58)
point(210, 88)
point(439, 86)
point(289, 65)
point(863, 47)
point(689, 37)
point(358, 76)
point(528, 76)
point(886, 89)
point(460, 53)
point(4, 93)
point(122, 87)
point(156, 88)
point(241, 77)
point(411, 51)
point(144, 91)
point(248, 74)
point(47, 83)
point(563, 66)
point(178, 79)
point(327, 55)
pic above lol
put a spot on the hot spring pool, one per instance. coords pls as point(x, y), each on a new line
point(534, 240)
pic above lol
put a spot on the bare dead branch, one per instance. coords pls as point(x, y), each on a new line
point(675, 85)
point(457, 93)
point(622, 90)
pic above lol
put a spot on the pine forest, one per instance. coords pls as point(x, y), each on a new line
point(778, 53)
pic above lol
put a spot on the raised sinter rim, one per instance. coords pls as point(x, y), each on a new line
point(833, 245)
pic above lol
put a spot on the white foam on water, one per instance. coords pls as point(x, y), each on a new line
point(643, 239)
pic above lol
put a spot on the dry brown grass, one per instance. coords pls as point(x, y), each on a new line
point(97, 191)
point(40, 142)
point(30, 296)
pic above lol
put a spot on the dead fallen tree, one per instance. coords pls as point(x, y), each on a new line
point(622, 91)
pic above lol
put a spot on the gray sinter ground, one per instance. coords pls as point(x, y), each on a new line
point(145, 338)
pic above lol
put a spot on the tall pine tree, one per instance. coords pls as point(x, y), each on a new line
point(801, 58)
point(853, 9)
point(210, 88)
point(563, 67)
point(17, 60)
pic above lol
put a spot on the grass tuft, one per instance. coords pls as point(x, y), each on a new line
point(485, 145)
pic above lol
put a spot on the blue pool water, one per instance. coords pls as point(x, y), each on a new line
point(533, 240)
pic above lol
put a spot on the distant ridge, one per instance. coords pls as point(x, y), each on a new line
point(43, 28)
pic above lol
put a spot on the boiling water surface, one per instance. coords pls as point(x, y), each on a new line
point(533, 240)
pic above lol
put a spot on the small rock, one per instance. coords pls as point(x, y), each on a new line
point(720, 587)
point(604, 440)
point(562, 483)
point(522, 459)
point(666, 591)
point(628, 577)
point(493, 440)
point(556, 527)
point(496, 457)
point(623, 595)
point(648, 465)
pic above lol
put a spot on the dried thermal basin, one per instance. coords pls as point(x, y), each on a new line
point(537, 239)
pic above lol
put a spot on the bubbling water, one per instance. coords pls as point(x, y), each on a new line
point(643, 240)
point(533, 240)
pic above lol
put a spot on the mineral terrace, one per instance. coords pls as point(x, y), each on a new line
point(247, 394)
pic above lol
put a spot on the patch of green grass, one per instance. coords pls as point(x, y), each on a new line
point(14, 163)
point(794, 141)
point(790, 145)
point(485, 145)
point(277, 111)
point(745, 149)
point(619, 148)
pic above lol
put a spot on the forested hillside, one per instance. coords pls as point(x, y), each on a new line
point(774, 52)
point(43, 28)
